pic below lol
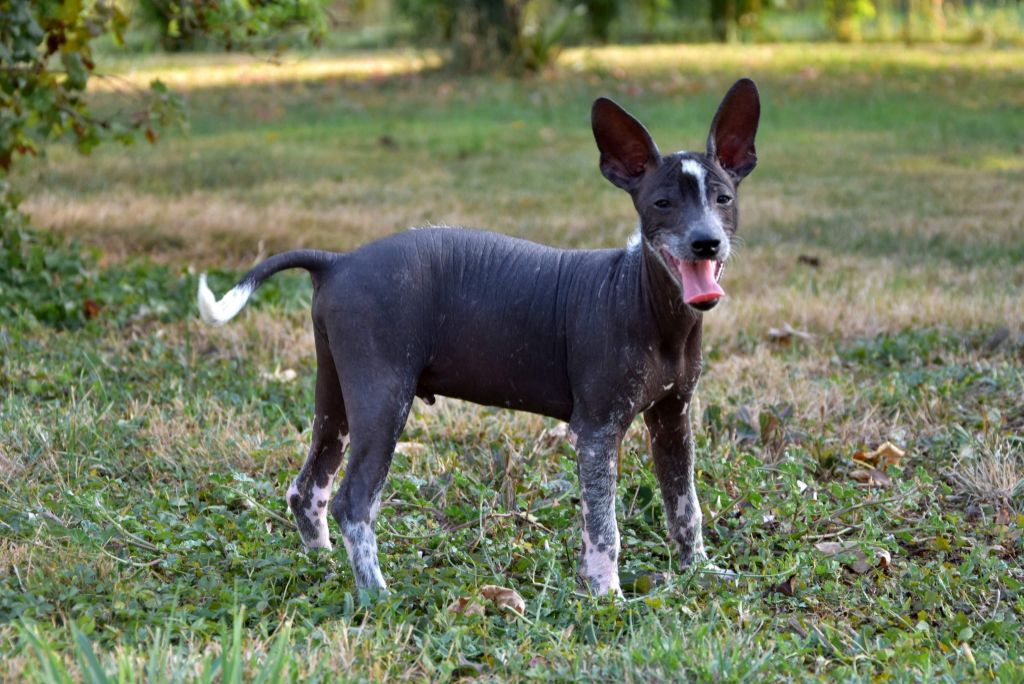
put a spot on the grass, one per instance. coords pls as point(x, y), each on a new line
point(144, 457)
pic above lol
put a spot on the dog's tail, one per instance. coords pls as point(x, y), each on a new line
point(219, 312)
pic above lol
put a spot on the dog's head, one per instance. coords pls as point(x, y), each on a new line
point(687, 200)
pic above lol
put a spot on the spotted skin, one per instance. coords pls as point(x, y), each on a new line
point(597, 465)
point(668, 422)
point(310, 492)
point(590, 337)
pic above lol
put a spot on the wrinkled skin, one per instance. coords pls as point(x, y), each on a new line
point(591, 337)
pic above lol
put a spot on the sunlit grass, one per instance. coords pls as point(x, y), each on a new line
point(194, 72)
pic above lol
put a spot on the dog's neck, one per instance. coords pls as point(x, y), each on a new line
point(662, 297)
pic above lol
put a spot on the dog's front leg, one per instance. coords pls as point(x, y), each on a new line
point(597, 463)
point(672, 451)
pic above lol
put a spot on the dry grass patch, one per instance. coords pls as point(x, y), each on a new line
point(199, 71)
point(849, 296)
point(991, 471)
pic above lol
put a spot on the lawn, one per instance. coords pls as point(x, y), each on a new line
point(877, 296)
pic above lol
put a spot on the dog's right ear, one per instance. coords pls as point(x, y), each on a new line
point(627, 150)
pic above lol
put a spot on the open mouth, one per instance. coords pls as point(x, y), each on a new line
point(699, 280)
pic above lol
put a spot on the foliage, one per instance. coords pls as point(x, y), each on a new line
point(845, 18)
point(493, 35)
point(40, 102)
point(233, 24)
point(45, 280)
point(728, 15)
point(600, 16)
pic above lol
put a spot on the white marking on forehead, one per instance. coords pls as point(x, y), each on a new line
point(694, 168)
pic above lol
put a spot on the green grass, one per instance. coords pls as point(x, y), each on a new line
point(144, 456)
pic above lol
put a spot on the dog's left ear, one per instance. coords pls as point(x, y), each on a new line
point(731, 140)
point(627, 150)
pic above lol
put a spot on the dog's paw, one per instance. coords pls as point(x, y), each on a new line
point(598, 587)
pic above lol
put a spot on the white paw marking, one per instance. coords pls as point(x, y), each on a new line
point(316, 513)
point(601, 568)
point(361, 546)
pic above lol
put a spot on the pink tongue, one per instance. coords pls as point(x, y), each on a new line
point(699, 284)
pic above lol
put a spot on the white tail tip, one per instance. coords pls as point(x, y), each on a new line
point(220, 312)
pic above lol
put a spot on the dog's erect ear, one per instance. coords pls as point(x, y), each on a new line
point(627, 151)
point(731, 140)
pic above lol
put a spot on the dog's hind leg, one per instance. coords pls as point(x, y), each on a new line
point(310, 492)
point(378, 406)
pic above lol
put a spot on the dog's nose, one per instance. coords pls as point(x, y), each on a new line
point(705, 247)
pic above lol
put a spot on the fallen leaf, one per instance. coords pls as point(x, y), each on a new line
point(859, 565)
point(504, 598)
point(884, 456)
point(91, 309)
point(883, 558)
point(873, 477)
point(466, 606)
point(1003, 516)
point(786, 333)
point(847, 553)
point(786, 587)
point(831, 548)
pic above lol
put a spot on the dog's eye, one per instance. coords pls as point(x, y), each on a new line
point(724, 200)
point(663, 204)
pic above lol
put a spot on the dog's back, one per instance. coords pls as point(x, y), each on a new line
point(483, 317)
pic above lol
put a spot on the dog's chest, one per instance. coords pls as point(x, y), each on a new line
point(654, 375)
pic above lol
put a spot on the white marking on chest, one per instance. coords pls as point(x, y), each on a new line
point(633, 244)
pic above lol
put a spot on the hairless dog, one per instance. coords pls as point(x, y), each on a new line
point(591, 337)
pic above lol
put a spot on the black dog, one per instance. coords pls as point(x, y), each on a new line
point(591, 337)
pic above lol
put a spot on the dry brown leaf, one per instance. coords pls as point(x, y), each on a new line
point(859, 565)
point(786, 587)
point(786, 333)
point(833, 548)
point(466, 606)
point(887, 454)
point(504, 597)
point(1003, 516)
point(872, 477)
point(847, 553)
